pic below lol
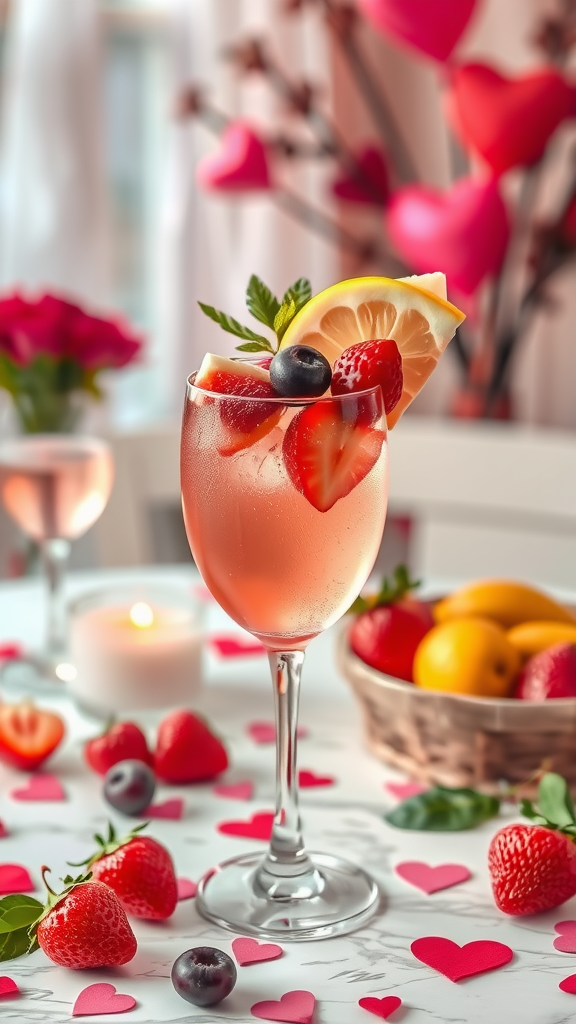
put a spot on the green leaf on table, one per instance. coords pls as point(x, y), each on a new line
point(261, 302)
point(17, 914)
point(554, 800)
point(442, 809)
point(232, 326)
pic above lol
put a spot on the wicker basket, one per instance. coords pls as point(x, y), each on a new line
point(460, 741)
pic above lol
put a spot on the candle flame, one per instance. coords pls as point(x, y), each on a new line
point(141, 615)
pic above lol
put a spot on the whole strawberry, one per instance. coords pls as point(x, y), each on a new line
point(187, 751)
point(121, 742)
point(533, 867)
point(140, 871)
point(549, 674)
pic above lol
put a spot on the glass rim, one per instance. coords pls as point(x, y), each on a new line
point(191, 388)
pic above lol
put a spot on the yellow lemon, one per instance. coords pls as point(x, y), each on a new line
point(532, 637)
point(469, 656)
point(504, 601)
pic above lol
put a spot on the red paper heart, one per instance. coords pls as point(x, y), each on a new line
point(294, 1007)
point(370, 185)
point(404, 790)
point(566, 941)
point(101, 998)
point(169, 810)
point(234, 790)
point(381, 1007)
point(265, 732)
point(259, 826)
point(429, 879)
point(227, 645)
point(8, 652)
point(457, 962)
point(186, 888)
point(240, 164)
point(8, 987)
point(569, 985)
point(249, 951)
point(508, 121)
point(463, 232)
point(307, 779)
point(15, 878)
point(3, 830)
point(40, 787)
point(433, 28)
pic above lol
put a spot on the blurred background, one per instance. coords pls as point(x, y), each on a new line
point(121, 192)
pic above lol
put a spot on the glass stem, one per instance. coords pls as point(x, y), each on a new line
point(55, 555)
point(287, 871)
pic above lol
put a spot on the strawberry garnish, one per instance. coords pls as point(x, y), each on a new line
point(367, 365)
point(120, 742)
point(326, 455)
point(28, 735)
point(244, 422)
point(187, 750)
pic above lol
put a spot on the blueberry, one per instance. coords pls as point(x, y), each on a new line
point(300, 372)
point(129, 786)
point(204, 975)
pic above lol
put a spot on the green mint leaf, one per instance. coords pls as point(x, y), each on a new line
point(284, 318)
point(300, 292)
point(228, 323)
point(442, 809)
point(261, 302)
point(256, 346)
point(554, 800)
point(18, 911)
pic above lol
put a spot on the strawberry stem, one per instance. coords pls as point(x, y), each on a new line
point(43, 871)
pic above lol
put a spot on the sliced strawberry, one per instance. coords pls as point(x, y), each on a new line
point(326, 456)
point(244, 422)
point(367, 365)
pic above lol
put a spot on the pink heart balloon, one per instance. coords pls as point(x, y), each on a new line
point(431, 26)
point(239, 165)
point(370, 185)
point(463, 232)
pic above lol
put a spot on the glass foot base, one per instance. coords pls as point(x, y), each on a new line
point(35, 674)
point(231, 896)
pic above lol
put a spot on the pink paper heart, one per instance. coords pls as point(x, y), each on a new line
point(404, 790)
point(463, 232)
point(169, 810)
point(234, 790)
point(15, 878)
point(432, 28)
point(239, 165)
point(307, 779)
point(187, 889)
point(101, 998)
point(293, 1007)
point(230, 646)
point(370, 185)
point(569, 985)
point(457, 962)
point(429, 879)
point(3, 830)
point(265, 732)
point(566, 941)
point(249, 951)
point(40, 787)
point(8, 987)
point(10, 651)
point(259, 826)
point(380, 1007)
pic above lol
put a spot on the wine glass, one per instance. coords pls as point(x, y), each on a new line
point(54, 486)
point(285, 571)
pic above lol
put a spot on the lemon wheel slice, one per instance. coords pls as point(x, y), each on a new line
point(413, 311)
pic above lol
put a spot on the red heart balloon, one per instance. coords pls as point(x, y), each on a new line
point(463, 232)
point(432, 27)
point(508, 121)
point(370, 185)
point(239, 165)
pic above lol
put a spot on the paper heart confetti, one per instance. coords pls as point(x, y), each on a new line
point(11, 651)
point(508, 121)
point(8, 987)
point(40, 787)
point(101, 998)
point(234, 790)
point(404, 790)
point(380, 1007)
point(456, 962)
point(249, 951)
point(294, 1008)
point(569, 985)
point(239, 165)
point(236, 646)
point(259, 826)
point(169, 810)
point(3, 830)
point(432, 28)
point(463, 232)
point(308, 779)
point(370, 184)
point(187, 889)
point(15, 878)
point(566, 941)
point(265, 732)
point(431, 879)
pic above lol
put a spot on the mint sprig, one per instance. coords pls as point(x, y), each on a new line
point(442, 809)
point(390, 591)
point(267, 309)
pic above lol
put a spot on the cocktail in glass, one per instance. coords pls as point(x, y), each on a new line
point(285, 570)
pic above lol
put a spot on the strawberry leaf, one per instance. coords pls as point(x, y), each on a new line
point(261, 302)
point(554, 800)
point(18, 913)
point(442, 809)
point(232, 326)
point(390, 591)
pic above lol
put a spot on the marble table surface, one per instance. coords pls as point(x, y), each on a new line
point(346, 818)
